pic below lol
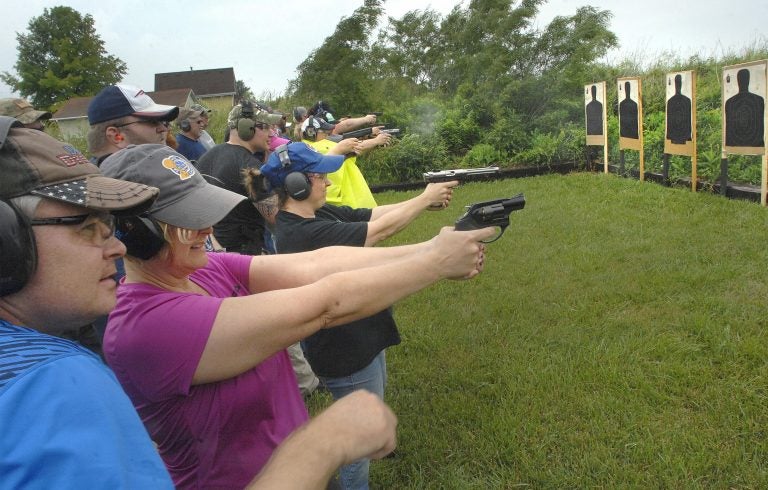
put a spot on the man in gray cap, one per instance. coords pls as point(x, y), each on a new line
point(191, 124)
point(22, 111)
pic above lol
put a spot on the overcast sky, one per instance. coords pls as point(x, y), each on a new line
point(266, 41)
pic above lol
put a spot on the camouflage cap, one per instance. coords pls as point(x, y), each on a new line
point(188, 114)
point(21, 110)
point(260, 115)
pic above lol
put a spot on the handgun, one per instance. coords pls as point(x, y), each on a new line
point(490, 213)
point(360, 133)
point(460, 174)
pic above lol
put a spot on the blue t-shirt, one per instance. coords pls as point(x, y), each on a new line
point(65, 422)
point(191, 149)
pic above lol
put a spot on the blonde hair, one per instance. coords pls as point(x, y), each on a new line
point(182, 235)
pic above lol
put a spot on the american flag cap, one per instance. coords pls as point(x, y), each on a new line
point(33, 162)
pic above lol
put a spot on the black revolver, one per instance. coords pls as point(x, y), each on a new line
point(490, 213)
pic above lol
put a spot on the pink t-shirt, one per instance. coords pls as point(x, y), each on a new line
point(211, 435)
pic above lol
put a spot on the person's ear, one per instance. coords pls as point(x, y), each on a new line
point(114, 136)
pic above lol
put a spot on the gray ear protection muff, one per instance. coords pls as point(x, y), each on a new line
point(18, 253)
point(185, 125)
point(297, 185)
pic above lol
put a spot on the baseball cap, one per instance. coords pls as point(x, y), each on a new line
point(302, 158)
point(22, 110)
point(318, 123)
point(259, 114)
point(188, 113)
point(198, 107)
point(32, 162)
point(186, 200)
point(116, 101)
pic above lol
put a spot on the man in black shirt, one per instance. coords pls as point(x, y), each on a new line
point(242, 230)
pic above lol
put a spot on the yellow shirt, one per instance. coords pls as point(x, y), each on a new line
point(348, 186)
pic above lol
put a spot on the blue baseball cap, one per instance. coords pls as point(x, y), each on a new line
point(116, 101)
point(298, 157)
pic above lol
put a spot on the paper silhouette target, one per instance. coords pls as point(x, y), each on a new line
point(630, 114)
point(744, 116)
point(594, 110)
point(680, 114)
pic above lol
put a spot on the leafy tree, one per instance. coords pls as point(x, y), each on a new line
point(60, 57)
point(339, 70)
point(409, 48)
point(242, 91)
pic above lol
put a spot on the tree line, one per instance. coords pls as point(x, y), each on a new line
point(482, 84)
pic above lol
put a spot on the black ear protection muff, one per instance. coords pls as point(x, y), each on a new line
point(18, 254)
point(185, 125)
point(310, 131)
point(142, 236)
point(246, 126)
point(297, 185)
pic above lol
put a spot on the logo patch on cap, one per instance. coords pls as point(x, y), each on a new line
point(179, 166)
point(73, 157)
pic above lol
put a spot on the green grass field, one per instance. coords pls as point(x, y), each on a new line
point(616, 339)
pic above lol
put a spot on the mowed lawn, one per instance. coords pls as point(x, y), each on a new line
point(617, 338)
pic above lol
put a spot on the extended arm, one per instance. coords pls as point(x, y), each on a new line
point(382, 139)
point(390, 219)
point(345, 147)
point(359, 425)
point(352, 123)
point(249, 329)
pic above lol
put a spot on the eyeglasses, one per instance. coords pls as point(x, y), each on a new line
point(262, 126)
point(313, 175)
point(100, 229)
point(150, 122)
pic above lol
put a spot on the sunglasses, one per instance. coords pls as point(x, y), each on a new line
point(97, 231)
point(150, 122)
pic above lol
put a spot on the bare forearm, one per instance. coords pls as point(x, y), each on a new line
point(352, 123)
point(269, 272)
point(302, 461)
point(385, 223)
point(358, 425)
point(361, 293)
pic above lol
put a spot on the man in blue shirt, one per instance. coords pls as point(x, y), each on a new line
point(65, 422)
point(191, 123)
point(64, 419)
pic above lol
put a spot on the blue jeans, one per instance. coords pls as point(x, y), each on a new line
point(373, 378)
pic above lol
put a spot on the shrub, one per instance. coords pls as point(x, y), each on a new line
point(483, 155)
point(405, 161)
point(567, 145)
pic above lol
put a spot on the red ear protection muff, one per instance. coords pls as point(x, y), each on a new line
point(119, 137)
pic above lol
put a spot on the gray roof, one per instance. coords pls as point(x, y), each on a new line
point(217, 81)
